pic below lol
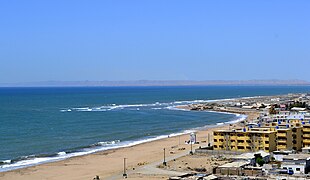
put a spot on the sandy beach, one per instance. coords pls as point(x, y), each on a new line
point(109, 164)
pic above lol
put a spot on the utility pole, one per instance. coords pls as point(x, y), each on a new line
point(191, 152)
point(165, 163)
point(209, 140)
point(124, 174)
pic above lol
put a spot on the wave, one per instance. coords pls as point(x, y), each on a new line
point(26, 161)
point(31, 160)
point(154, 106)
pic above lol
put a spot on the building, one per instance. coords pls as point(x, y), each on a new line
point(306, 135)
point(284, 139)
point(278, 155)
point(250, 157)
point(245, 141)
point(297, 138)
point(289, 135)
point(239, 168)
point(299, 163)
point(305, 150)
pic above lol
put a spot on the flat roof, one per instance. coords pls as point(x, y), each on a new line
point(297, 157)
point(240, 131)
point(251, 155)
point(235, 164)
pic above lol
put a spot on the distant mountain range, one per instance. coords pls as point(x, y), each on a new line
point(156, 83)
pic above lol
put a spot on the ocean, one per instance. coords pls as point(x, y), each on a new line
point(39, 125)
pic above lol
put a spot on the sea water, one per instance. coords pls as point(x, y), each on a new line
point(39, 125)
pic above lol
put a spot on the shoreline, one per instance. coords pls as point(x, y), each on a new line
point(45, 170)
point(61, 156)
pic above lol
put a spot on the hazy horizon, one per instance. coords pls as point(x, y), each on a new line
point(154, 40)
point(272, 82)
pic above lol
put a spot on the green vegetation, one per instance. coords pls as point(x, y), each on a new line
point(297, 104)
point(259, 159)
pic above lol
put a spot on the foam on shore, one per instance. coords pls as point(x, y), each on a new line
point(26, 161)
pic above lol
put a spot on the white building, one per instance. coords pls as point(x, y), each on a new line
point(250, 157)
point(299, 163)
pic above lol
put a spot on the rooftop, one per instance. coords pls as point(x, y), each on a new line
point(297, 157)
point(235, 164)
point(251, 155)
point(241, 131)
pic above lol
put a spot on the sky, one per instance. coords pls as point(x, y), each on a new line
point(153, 40)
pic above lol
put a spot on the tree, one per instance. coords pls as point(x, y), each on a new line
point(260, 161)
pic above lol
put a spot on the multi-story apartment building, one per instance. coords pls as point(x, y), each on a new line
point(306, 135)
point(242, 140)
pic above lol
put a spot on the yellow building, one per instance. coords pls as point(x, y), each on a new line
point(289, 135)
point(306, 135)
point(297, 138)
point(239, 140)
point(284, 139)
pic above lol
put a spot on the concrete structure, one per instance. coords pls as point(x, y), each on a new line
point(250, 157)
point(284, 139)
point(278, 155)
point(305, 150)
point(239, 168)
point(306, 135)
point(233, 168)
point(297, 138)
point(245, 141)
point(299, 163)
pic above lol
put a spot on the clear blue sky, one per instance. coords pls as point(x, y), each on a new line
point(154, 40)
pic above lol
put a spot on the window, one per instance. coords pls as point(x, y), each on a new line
point(266, 142)
point(297, 169)
point(215, 146)
point(215, 140)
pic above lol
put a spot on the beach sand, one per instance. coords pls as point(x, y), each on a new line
point(109, 164)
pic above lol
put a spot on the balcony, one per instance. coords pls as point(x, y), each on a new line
point(306, 130)
point(281, 141)
point(306, 141)
point(281, 147)
point(281, 134)
point(306, 136)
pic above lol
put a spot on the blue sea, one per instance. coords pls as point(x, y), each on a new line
point(39, 125)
